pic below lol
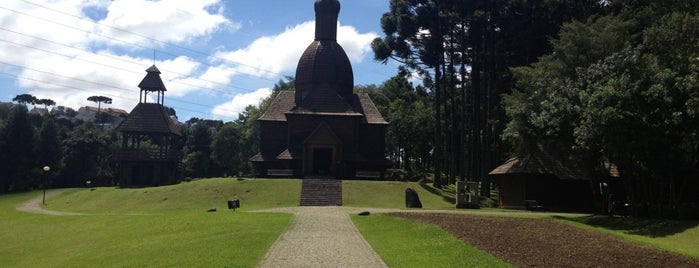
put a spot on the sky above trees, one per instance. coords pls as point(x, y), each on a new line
point(216, 56)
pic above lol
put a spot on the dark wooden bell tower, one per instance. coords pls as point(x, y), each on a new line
point(149, 155)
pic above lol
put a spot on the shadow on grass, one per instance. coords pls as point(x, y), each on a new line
point(445, 194)
point(636, 226)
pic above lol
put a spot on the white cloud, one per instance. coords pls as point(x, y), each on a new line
point(166, 20)
point(62, 50)
point(355, 44)
point(232, 108)
point(270, 56)
point(56, 50)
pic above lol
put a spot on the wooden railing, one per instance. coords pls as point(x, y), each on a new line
point(280, 172)
point(367, 174)
point(145, 155)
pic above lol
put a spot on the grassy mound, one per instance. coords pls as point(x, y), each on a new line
point(198, 195)
point(171, 238)
point(391, 194)
point(252, 193)
point(168, 226)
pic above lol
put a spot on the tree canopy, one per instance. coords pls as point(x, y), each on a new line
point(595, 84)
point(620, 88)
point(463, 50)
point(99, 100)
point(25, 99)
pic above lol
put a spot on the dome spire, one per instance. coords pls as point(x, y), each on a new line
point(324, 73)
point(326, 19)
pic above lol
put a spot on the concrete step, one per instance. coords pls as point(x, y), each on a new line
point(321, 192)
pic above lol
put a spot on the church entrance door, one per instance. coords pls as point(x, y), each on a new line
point(322, 161)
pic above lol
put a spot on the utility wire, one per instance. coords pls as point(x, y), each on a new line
point(108, 94)
point(139, 35)
point(119, 59)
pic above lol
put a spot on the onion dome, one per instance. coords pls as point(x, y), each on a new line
point(324, 67)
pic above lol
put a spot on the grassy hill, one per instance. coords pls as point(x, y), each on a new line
point(253, 194)
point(391, 194)
point(198, 195)
point(169, 227)
point(161, 227)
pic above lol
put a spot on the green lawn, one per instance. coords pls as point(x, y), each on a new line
point(164, 240)
point(391, 194)
point(407, 243)
point(675, 236)
point(162, 227)
point(198, 195)
point(168, 226)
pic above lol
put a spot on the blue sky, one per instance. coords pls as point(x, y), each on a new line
point(216, 56)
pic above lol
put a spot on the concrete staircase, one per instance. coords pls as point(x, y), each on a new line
point(321, 192)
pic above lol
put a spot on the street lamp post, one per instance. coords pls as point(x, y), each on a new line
point(46, 174)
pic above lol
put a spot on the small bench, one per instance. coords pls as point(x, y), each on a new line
point(280, 172)
point(532, 205)
point(367, 174)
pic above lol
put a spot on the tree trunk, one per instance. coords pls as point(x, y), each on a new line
point(438, 126)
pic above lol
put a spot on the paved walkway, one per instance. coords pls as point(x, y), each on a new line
point(321, 237)
point(34, 205)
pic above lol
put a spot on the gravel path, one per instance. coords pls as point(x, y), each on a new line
point(321, 237)
point(34, 205)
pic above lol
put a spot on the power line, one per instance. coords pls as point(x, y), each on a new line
point(108, 94)
point(139, 35)
point(116, 58)
point(152, 40)
point(109, 86)
point(114, 96)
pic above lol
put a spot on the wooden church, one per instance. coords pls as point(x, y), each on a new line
point(323, 129)
point(149, 155)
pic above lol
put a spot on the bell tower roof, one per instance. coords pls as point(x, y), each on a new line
point(326, 19)
point(324, 68)
point(152, 83)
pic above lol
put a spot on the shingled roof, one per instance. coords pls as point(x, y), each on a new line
point(324, 65)
point(321, 100)
point(517, 166)
point(283, 103)
point(544, 160)
point(362, 105)
point(149, 118)
point(152, 81)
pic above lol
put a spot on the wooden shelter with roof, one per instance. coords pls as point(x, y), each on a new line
point(323, 128)
point(541, 182)
point(149, 155)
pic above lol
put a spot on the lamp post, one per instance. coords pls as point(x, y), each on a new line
point(46, 173)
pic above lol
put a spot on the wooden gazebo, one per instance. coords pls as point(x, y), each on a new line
point(149, 155)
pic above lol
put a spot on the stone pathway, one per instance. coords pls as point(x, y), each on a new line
point(321, 237)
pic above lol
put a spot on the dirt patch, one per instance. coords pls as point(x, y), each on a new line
point(547, 243)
